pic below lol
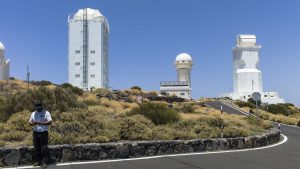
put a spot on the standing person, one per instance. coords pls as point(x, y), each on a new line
point(40, 120)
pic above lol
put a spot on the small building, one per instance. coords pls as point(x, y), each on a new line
point(181, 87)
point(4, 64)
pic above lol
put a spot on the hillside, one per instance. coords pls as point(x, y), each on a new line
point(286, 113)
point(110, 116)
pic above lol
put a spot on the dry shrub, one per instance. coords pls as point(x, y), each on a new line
point(136, 127)
point(13, 136)
point(157, 113)
point(234, 131)
point(2, 143)
point(277, 117)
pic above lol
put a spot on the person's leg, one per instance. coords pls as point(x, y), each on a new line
point(37, 147)
point(44, 146)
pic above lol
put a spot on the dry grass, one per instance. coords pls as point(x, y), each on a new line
point(291, 120)
point(105, 120)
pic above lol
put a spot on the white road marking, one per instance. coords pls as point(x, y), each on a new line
point(288, 125)
point(164, 156)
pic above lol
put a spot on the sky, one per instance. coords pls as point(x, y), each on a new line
point(147, 35)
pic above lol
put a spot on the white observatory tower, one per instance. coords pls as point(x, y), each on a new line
point(183, 65)
point(246, 74)
point(88, 49)
point(247, 77)
point(4, 64)
point(181, 87)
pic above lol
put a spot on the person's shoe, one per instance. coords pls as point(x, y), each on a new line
point(44, 165)
point(36, 164)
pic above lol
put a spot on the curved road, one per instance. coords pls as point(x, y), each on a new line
point(284, 156)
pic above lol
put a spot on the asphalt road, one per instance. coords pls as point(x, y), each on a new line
point(284, 156)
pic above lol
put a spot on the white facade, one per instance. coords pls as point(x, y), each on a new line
point(181, 87)
point(4, 64)
point(88, 50)
point(247, 78)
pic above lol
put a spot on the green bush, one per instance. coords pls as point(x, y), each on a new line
point(53, 99)
point(41, 83)
point(187, 108)
point(90, 102)
point(278, 109)
point(135, 128)
point(254, 120)
point(158, 113)
point(2, 143)
point(245, 104)
point(250, 100)
point(74, 89)
point(136, 87)
point(234, 131)
point(13, 136)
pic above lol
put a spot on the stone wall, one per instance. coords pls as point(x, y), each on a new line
point(129, 149)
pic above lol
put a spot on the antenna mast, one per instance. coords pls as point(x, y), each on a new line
point(28, 77)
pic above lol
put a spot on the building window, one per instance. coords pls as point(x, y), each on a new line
point(77, 51)
point(182, 94)
point(92, 75)
point(77, 75)
point(93, 63)
point(77, 63)
point(93, 51)
point(266, 95)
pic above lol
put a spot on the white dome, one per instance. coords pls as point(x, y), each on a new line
point(183, 57)
point(2, 47)
point(91, 14)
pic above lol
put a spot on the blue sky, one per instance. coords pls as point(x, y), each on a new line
point(146, 36)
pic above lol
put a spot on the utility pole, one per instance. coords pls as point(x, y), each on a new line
point(222, 124)
point(28, 77)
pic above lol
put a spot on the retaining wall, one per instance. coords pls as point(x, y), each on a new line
point(129, 149)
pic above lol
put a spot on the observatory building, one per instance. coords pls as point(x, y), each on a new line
point(4, 64)
point(181, 87)
point(88, 49)
point(247, 77)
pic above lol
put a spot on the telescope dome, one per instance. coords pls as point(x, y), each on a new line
point(183, 57)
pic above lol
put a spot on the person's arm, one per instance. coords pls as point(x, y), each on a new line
point(48, 121)
point(43, 123)
point(31, 121)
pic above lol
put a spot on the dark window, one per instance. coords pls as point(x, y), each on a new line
point(182, 94)
point(92, 75)
point(77, 63)
point(266, 95)
point(77, 75)
point(77, 51)
point(93, 63)
point(92, 51)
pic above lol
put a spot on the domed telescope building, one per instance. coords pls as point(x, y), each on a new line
point(4, 64)
point(88, 49)
point(247, 77)
point(181, 87)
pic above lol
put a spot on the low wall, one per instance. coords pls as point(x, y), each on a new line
point(129, 149)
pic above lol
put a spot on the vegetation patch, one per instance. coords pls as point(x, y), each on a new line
point(103, 116)
point(285, 113)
